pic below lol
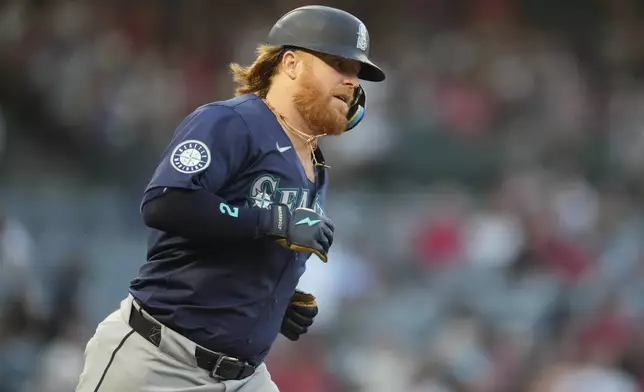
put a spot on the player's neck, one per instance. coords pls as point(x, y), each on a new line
point(283, 104)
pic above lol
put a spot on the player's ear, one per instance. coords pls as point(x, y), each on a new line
point(289, 63)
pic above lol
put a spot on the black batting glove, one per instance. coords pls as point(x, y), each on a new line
point(299, 315)
point(301, 230)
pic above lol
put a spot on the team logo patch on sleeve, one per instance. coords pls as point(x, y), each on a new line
point(191, 156)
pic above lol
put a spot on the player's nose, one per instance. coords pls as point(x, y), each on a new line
point(351, 81)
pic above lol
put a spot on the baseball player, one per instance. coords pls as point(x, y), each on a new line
point(236, 207)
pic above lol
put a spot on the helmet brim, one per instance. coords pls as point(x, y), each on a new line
point(370, 72)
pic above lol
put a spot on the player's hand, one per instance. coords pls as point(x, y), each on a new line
point(299, 315)
point(301, 230)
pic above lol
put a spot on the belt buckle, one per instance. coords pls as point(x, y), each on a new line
point(221, 358)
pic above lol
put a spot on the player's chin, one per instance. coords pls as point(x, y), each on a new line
point(339, 125)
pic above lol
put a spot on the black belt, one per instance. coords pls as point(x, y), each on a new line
point(218, 365)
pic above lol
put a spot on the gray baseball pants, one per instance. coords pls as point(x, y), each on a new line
point(117, 359)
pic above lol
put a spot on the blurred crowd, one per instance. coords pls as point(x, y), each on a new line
point(489, 208)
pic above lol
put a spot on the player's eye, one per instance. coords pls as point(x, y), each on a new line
point(350, 67)
point(343, 66)
point(335, 62)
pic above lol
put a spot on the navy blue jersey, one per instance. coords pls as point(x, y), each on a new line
point(228, 297)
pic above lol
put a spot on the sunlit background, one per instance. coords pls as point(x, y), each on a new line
point(489, 210)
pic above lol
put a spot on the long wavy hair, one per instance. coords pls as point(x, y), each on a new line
point(257, 78)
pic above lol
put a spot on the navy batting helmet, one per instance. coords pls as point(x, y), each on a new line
point(331, 31)
point(327, 30)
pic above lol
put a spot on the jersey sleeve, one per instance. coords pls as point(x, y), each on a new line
point(208, 147)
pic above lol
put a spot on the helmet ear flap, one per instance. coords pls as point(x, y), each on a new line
point(357, 109)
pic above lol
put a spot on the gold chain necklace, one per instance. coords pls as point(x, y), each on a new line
point(310, 141)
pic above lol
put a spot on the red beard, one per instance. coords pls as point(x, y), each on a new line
point(316, 109)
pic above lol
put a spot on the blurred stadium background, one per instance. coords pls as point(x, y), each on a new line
point(489, 209)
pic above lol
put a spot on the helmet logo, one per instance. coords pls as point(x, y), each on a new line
point(363, 39)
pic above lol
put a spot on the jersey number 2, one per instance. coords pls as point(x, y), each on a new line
point(225, 209)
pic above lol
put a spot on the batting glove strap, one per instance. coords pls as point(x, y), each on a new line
point(274, 222)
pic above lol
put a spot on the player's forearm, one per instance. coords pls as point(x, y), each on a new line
point(200, 215)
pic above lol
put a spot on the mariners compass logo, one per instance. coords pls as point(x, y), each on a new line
point(191, 156)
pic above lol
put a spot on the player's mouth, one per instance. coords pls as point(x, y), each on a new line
point(342, 98)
